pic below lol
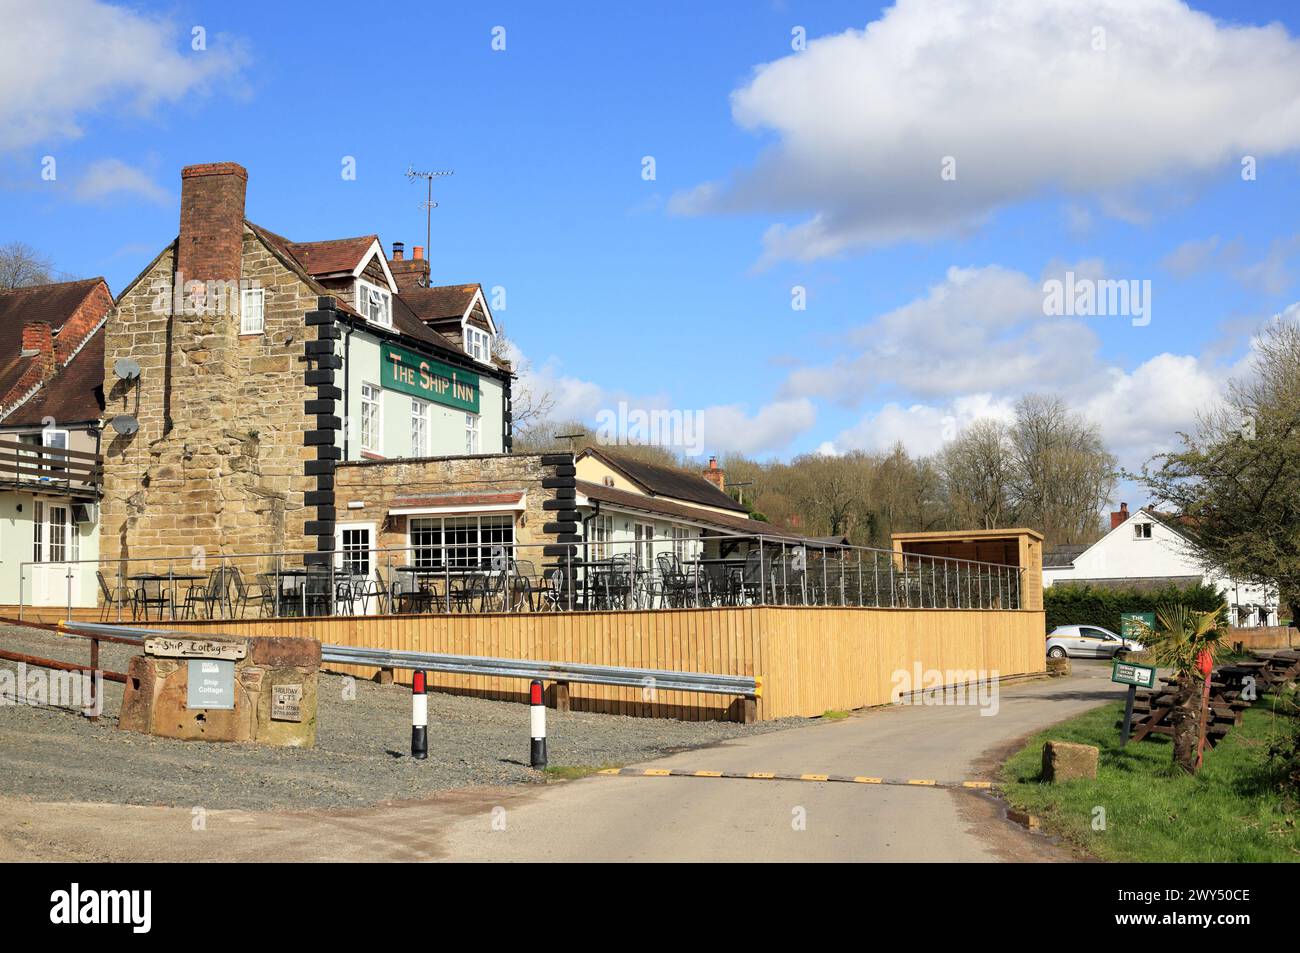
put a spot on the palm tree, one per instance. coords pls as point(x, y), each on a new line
point(1184, 640)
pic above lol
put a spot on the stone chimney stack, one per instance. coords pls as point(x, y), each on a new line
point(212, 222)
point(410, 272)
point(715, 474)
point(1119, 516)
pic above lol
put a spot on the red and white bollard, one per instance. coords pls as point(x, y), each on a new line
point(419, 718)
point(537, 724)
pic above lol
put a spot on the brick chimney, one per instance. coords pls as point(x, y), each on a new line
point(1119, 516)
point(212, 221)
point(715, 474)
point(410, 272)
point(38, 344)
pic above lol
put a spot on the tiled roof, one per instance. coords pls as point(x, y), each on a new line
point(332, 256)
point(1061, 557)
point(668, 481)
point(70, 395)
point(442, 303)
point(404, 319)
point(667, 508)
point(74, 395)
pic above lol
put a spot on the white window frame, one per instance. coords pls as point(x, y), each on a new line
point(67, 545)
point(476, 337)
point(372, 436)
point(252, 318)
point(38, 531)
point(602, 537)
point(643, 535)
point(1142, 531)
point(366, 292)
point(421, 427)
point(683, 542)
point(474, 555)
point(341, 551)
point(473, 433)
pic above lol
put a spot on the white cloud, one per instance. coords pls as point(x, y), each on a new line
point(1140, 412)
point(1019, 96)
point(60, 62)
point(719, 428)
point(980, 329)
point(1192, 256)
point(921, 428)
point(110, 178)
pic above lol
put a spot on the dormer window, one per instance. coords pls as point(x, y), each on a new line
point(375, 304)
point(478, 344)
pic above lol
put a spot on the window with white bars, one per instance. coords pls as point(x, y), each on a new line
point(375, 304)
point(371, 418)
point(458, 542)
point(58, 543)
point(473, 433)
point(478, 344)
point(38, 531)
point(354, 547)
point(602, 536)
point(251, 311)
point(420, 411)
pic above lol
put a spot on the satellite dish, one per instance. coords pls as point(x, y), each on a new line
point(125, 424)
point(126, 368)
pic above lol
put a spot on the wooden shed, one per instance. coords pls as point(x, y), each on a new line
point(1020, 547)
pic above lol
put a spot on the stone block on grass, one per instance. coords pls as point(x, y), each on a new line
point(1067, 761)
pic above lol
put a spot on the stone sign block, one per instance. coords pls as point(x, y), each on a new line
point(220, 688)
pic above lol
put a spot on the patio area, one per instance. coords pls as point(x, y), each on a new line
point(477, 578)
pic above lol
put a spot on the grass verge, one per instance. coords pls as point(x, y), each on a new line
point(1234, 811)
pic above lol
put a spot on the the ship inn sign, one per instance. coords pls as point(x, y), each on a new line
point(432, 380)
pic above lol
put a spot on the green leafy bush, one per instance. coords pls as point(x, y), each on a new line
point(1080, 603)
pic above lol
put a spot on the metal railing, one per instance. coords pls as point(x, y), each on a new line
point(647, 679)
point(486, 576)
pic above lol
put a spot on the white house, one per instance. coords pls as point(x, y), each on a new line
point(1147, 549)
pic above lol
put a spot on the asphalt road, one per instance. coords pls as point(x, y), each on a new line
point(709, 819)
point(618, 818)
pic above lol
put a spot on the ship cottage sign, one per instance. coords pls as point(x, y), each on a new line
point(431, 380)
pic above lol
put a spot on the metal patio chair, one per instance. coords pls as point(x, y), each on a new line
point(207, 596)
point(115, 597)
point(152, 592)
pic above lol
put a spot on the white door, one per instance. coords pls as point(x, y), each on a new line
point(355, 545)
point(56, 577)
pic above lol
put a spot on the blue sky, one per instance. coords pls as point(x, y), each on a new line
point(1110, 155)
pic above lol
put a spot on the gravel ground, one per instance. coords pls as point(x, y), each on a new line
point(361, 755)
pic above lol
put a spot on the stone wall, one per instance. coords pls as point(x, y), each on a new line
point(217, 461)
point(376, 483)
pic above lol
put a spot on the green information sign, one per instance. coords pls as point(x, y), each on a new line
point(1136, 625)
point(1126, 673)
point(432, 380)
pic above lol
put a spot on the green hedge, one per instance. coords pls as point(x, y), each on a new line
point(1080, 603)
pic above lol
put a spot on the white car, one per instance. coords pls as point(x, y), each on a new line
point(1089, 641)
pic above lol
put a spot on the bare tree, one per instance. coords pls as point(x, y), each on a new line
point(22, 265)
point(530, 406)
point(977, 471)
point(1062, 474)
